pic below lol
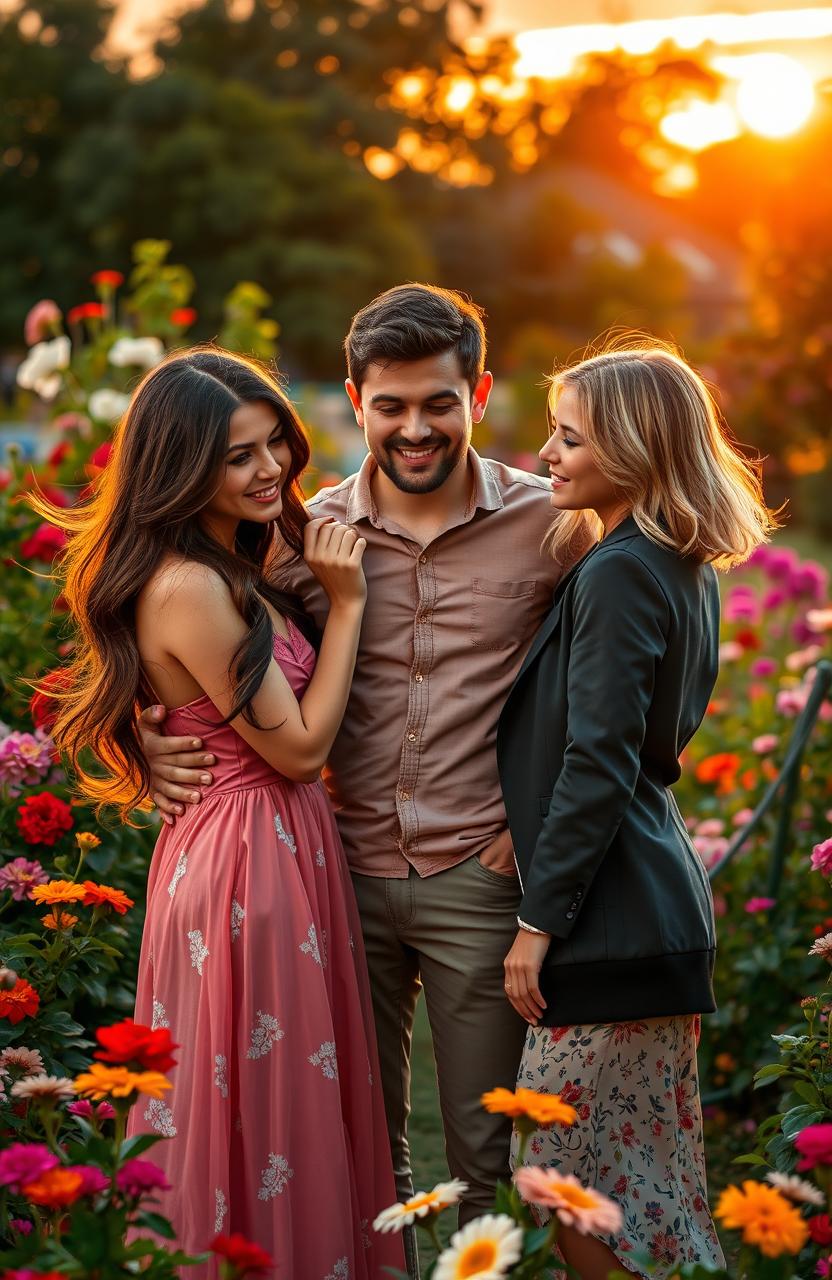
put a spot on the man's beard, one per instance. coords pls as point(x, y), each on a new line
point(427, 482)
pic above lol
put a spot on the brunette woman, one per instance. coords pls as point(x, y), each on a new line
point(252, 952)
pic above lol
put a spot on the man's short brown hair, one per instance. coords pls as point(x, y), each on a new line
point(413, 321)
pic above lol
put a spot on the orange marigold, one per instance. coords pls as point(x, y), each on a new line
point(55, 1189)
point(102, 895)
point(21, 1001)
point(56, 919)
point(721, 768)
point(102, 1081)
point(765, 1217)
point(543, 1108)
point(57, 891)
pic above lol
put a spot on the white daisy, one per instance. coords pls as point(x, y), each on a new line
point(796, 1188)
point(424, 1202)
point(486, 1249)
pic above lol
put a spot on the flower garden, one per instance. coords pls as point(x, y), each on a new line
point(76, 1196)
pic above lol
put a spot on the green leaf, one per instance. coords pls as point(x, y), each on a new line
point(156, 1223)
point(135, 1146)
point(772, 1072)
point(749, 1159)
point(796, 1120)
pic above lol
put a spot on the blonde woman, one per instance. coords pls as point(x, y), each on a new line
point(613, 958)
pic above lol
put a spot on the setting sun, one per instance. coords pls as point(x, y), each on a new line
point(775, 95)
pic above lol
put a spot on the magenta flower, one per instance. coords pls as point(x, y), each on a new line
point(136, 1177)
point(24, 1162)
point(803, 633)
point(763, 667)
point(815, 1146)
point(774, 599)
point(781, 563)
point(759, 557)
point(764, 744)
point(84, 1108)
point(94, 1180)
point(22, 1226)
point(810, 579)
point(822, 857)
point(753, 905)
point(741, 817)
point(744, 607)
point(25, 758)
point(20, 876)
point(711, 827)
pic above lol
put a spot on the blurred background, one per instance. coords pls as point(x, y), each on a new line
point(571, 165)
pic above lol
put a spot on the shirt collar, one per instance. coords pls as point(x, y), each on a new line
point(485, 494)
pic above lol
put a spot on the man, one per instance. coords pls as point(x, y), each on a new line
point(457, 587)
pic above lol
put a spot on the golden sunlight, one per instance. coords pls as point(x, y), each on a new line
point(775, 94)
point(700, 124)
point(552, 52)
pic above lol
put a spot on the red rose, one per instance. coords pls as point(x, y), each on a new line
point(128, 1041)
point(101, 456)
point(183, 316)
point(815, 1146)
point(43, 707)
point(107, 279)
point(241, 1253)
point(43, 818)
point(45, 543)
point(59, 453)
point(820, 1228)
point(86, 311)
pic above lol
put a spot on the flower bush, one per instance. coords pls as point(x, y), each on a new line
point(776, 625)
point(76, 1197)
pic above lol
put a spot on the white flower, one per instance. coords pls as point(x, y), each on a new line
point(284, 835)
point(796, 1188)
point(264, 1035)
point(178, 872)
point(238, 915)
point(221, 1075)
point(160, 1017)
point(107, 405)
point(422, 1203)
point(486, 1249)
point(160, 1117)
point(199, 951)
point(145, 352)
point(220, 1208)
point(310, 946)
point(275, 1177)
point(326, 1059)
point(38, 372)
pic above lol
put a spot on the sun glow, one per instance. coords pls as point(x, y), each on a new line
point(775, 95)
point(551, 52)
point(700, 124)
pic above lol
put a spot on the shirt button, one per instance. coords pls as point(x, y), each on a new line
point(411, 737)
point(570, 915)
point(418, 677)
point(405, 795)
point(423, 559)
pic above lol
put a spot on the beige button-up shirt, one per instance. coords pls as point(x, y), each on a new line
point(413, 771)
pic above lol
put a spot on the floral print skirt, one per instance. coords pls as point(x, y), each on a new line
point(638, 1135)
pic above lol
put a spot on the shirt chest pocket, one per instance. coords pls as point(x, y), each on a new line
point(500, 612)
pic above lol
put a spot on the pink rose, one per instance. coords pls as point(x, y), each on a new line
point(822, 857)
point(815, 1146)
point(765, 743)
point(43, 318)
point(753, 905)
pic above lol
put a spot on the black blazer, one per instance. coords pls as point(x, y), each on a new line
point(614, 685)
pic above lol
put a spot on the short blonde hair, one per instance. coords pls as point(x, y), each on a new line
point(655, 430)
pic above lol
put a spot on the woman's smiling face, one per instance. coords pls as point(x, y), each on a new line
point(578, 483)
point(257, 462)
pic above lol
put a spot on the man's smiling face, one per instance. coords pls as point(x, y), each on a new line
point(417, 417)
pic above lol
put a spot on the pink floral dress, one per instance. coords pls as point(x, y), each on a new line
point(638, 1135)
point(252, 956)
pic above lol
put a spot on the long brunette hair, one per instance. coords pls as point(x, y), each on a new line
point(167, 462)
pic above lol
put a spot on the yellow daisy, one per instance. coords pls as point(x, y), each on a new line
point(486, 1249)
point(424, 1202)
